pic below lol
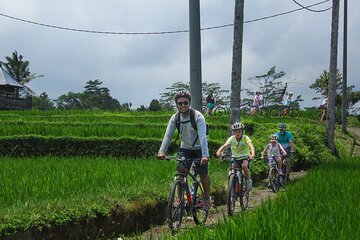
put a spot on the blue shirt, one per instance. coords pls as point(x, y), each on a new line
point(285, 139)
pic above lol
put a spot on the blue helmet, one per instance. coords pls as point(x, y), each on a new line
point(282, 126)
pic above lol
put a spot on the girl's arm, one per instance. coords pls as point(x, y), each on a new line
point(252, 150)
point(264, 151)
point(221, 149)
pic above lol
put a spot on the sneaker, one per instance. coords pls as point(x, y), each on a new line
point(281, 172)
point(269, 185)
point(249, 185)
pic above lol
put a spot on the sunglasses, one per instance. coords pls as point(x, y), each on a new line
point(182, 103)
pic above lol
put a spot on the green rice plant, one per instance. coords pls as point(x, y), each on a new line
point(43, 191)
point(324, 205)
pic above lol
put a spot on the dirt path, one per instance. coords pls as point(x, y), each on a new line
point(259, 194)
point(355, 132)
point(219, 213)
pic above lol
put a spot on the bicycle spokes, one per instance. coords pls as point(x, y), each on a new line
point(176, 205)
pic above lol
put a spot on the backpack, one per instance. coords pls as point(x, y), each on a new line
point(192, 121)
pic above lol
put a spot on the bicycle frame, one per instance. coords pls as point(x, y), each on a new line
point(236, 185)
point(182, 197)
point(183, 177)
point(236, 170)
point(275, 179)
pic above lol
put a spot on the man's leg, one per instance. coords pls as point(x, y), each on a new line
point(287, 167)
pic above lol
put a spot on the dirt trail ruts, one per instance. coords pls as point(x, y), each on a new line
point(219, 213)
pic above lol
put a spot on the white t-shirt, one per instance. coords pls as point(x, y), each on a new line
point(274, 150)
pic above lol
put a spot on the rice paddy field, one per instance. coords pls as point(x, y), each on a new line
point(47, 192)
point(324, 205)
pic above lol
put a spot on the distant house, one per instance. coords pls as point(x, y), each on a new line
point(9, 93)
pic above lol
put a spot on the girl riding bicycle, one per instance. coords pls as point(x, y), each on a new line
point(273, 152)
point(241, 145)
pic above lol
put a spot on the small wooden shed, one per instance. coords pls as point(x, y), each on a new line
point(9, 93)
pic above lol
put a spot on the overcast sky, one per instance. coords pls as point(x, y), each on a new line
point(137, 68)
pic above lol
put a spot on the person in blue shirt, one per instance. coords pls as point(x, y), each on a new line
point(286, 139)
point(287, 104)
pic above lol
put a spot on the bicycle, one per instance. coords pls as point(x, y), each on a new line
point(280, 111)
point(276, 180)
point(185, 197)
point(236, 184)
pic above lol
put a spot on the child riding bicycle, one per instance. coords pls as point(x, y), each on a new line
point(273, 149)
point(256, 103)
point(241, 145)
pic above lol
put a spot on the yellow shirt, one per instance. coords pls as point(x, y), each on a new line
point(239, 148)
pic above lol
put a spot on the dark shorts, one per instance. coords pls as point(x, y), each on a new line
point(288, 152)
point(200, 169)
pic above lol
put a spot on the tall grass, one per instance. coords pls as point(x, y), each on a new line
point(324, 205)
point(44, 189)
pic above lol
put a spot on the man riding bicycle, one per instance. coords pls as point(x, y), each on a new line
point(286, 139)
point(287, 104)
point(241, 145)
point(194, 142)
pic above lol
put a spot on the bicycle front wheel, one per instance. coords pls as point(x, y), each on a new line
point(244, 195)
point(199, 213)
point(274, 181)
point(295, 113)
point(219, 111)
point(275, 113)
point(231, 194)
point(176, 205)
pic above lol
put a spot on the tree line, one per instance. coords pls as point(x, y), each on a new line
point(95, 96)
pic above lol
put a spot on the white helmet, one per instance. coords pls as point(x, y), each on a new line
point(237, 126)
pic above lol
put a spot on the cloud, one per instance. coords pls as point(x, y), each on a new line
point(136, 68)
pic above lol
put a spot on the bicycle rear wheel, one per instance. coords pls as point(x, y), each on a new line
point(231, 194)
point(199, 213)
point(176, 205)
point(262, 112)
point(244, 196)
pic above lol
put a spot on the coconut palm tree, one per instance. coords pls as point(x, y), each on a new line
point(330, 123)
point(237, 62)
point(19, 70)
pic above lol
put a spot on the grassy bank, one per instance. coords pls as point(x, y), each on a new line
point(324, 205)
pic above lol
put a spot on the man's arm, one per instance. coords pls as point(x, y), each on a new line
point(167, 136)
point(201, 125)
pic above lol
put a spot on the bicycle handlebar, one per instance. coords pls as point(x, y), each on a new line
point(168, 158)
point(227, 158)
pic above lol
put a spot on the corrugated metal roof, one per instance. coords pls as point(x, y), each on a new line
point(6, 79)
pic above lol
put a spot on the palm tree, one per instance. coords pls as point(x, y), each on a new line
point(330, 122)
point(237, 62)
point(19, 70)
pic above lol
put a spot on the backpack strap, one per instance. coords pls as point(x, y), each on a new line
point(193, 124)
point(192, 121)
